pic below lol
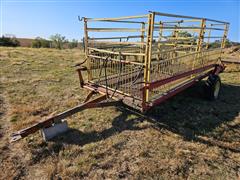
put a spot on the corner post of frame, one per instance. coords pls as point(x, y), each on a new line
point(224, 36)
point(201, 34)
point(209, 36)
point(148, 56)
point(86, 48)
point(199, 42)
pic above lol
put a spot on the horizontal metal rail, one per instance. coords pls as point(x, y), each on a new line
point(156, 84)
point(117, 18)
point(128, 99)
point(171, 50)
point(189, 54)
point(119, 37)
point(115, 42)
point(187, 17)
point(115, 30)
point(116, 53)
point(120, 21)
point(179, 21)
point(186, 28)
point(172, 92)
point(117, 60)
point(189, 38)
point(176, 90)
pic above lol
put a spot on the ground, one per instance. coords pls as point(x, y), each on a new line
point(187, 137)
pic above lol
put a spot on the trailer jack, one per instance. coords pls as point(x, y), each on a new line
point(101, 101)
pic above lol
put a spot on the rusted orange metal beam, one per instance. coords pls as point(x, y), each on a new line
point(96, 103)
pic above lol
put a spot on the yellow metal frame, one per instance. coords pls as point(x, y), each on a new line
point(144, 50)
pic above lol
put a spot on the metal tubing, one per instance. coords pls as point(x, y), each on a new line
point(118, 18)
point(116, 53)
point(115, 30)
point(148, 51)
point(156, 84)
point(119, 37)
point(187, 28)
point(114, 42)
point(96, 103)
point(176, 91)
point(187, 17)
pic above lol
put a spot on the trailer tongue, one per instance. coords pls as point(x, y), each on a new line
point(96, 103)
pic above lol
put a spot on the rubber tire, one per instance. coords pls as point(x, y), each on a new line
point(211, 86)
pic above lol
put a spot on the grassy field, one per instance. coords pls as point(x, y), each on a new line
point(189, 138)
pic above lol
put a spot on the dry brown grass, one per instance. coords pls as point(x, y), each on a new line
point(187, 137)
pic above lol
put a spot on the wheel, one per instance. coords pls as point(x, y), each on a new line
point(213, 87)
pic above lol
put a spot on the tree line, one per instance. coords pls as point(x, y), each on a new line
point(10, 42)
point(56, 41)
point(60, 42)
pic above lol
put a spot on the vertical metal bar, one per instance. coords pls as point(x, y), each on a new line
point(201, 35)
point(199, 43)
point(176, 32)
point(160, 38)
point(224, 39)
point(224, 36)
point(142, 40)
point(209, 35)
point(86, 49)
point(148, 54)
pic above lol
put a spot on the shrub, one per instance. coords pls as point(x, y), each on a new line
point(73, 44)
point(6, 41)
point(40, 42)
point(228, 43)
point(45, 43)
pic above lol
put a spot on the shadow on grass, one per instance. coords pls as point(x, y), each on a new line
point(187, 114)
point(191, 116)
point(119, 124)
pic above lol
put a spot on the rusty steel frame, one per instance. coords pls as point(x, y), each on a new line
point(146, 52)
point(95, 103)
point(137, 68)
